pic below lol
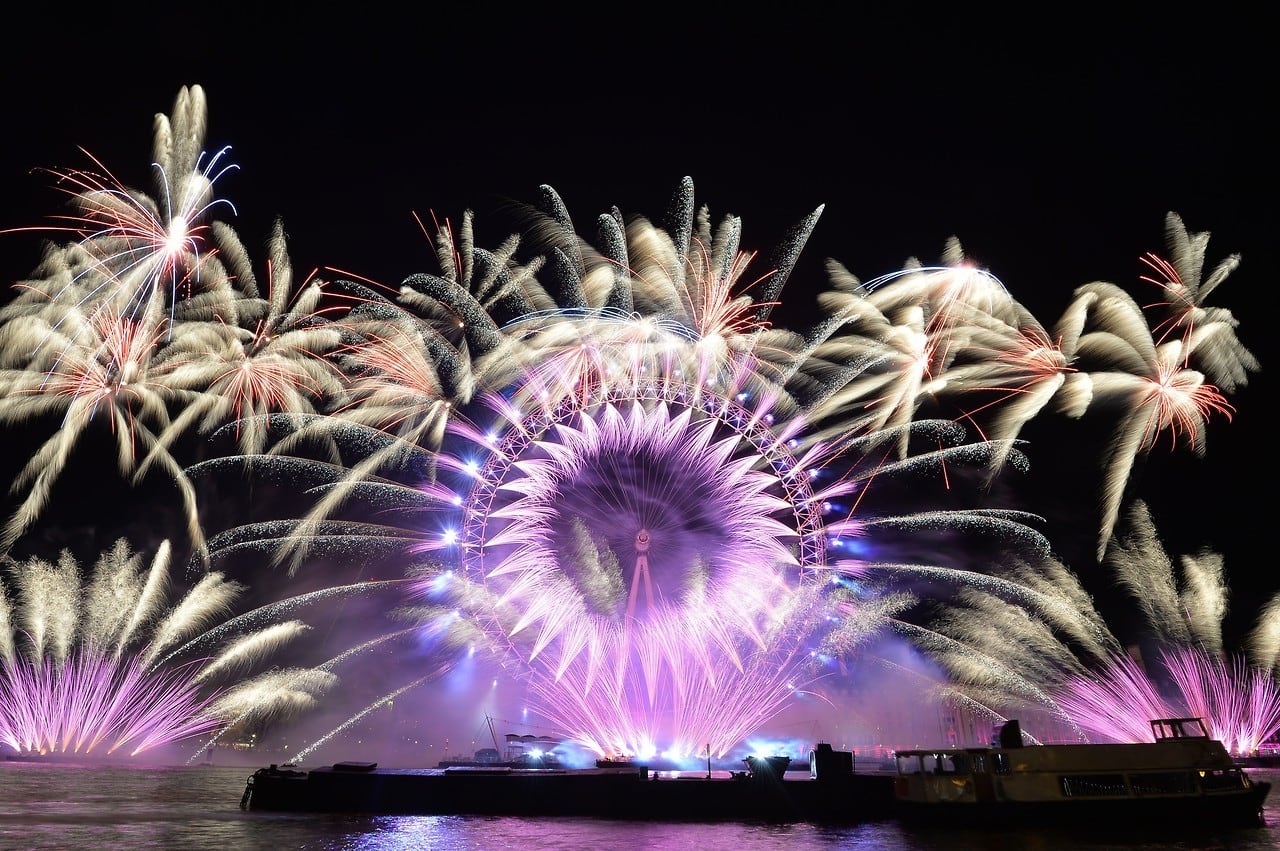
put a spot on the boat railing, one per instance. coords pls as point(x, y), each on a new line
point(1178, 728)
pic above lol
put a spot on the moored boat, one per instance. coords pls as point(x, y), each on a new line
point(1183, 776)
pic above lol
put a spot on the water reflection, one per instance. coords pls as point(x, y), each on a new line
point(46, 806)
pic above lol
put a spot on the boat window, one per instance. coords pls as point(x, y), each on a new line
point(908, 763)
point(1093, 785)
point(1161, 782)
point(1001, 761)
point(946, 762)
point(1232, 778)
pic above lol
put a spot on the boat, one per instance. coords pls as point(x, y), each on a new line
point(1182, 777)
point(832, 792)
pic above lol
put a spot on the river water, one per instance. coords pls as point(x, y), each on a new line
point(58, 806)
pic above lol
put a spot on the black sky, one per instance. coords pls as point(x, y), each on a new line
point(1052, 147)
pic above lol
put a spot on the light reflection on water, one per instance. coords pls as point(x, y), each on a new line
point(49, 806)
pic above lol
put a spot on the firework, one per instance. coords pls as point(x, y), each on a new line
point(598, 464)
point(80, 337)
point(1030, 642)
point(632, 496)
point(153, 321)
point(112, 667)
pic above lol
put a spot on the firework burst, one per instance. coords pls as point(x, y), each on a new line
point(1030, 642)
point(599, 460)
point(142, 252)
point(631, 495)
point(112, 667)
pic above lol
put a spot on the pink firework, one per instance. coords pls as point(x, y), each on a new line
point(98, 703)
point(107, 666)
point(1239, 702)
point(648, 559)
point(1116, 702)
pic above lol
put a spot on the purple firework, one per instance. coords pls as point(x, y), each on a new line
point(98, 703)
point(654, 554)
point(632, 496)
point(109, 666)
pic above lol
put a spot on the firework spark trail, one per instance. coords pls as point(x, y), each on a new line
point(447, 632)
point(82, 675)
point(285, 693)
point(1009, 639)
point(1108, 691)
point(973, 668)
point(1207, 333)
point(270, 614)
point(949, 695)
point(1053, 602)
point(306, 752)
point(1239, 701)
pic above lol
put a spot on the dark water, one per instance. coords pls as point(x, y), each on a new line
point(49, 806)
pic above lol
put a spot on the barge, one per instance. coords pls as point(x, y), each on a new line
point(831, 793)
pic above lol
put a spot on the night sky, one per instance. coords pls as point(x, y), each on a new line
point(1052, 150)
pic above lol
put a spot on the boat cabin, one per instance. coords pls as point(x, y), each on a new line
point(1182, 762)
